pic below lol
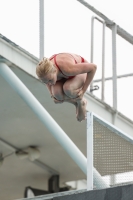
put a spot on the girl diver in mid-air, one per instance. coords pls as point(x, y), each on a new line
point(67, 77)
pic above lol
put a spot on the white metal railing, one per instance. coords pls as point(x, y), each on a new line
point(114, 68)
point(120, 31)
point(115, 30)
point(103, 52)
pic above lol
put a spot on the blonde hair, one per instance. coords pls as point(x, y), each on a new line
point(44, 67)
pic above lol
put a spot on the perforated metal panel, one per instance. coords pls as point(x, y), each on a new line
point(113, 151)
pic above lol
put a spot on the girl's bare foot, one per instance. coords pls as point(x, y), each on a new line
point(76, 106)
point(81, 110)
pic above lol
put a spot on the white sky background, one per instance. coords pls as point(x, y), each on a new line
point(67, 29)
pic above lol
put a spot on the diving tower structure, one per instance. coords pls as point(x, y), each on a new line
point(20, 128)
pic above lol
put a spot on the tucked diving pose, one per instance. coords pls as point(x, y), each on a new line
point(67, 77)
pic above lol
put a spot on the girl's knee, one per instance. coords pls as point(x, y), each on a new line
point(69, 91)
point(58, 95)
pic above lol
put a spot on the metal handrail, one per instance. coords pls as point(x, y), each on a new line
point(110, 78)
point(120, 31)
point(103, 52)
point(114, 63)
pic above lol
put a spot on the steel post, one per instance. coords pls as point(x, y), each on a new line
point(89, 151)
point(114, 67)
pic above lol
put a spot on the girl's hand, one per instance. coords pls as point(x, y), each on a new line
point(56, 100)
point(80, 95)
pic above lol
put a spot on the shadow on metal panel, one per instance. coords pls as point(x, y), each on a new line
point(115, 193)
point(124, 192)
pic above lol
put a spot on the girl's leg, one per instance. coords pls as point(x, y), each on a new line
point(58, 92)
point(71, 88)
point(67, 90)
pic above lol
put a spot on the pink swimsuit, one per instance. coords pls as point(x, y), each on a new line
point(54, 56)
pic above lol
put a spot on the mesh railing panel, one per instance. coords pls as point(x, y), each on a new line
point(113, 154)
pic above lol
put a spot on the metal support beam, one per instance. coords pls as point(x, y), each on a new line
point(50, 123)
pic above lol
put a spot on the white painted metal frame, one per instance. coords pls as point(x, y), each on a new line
point(89, 151)
point(113, 128)
point(90, 118)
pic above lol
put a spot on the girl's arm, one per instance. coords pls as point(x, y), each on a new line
point(89, 78)
point(74, 69)
point(79, 68)
point(49, 88)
